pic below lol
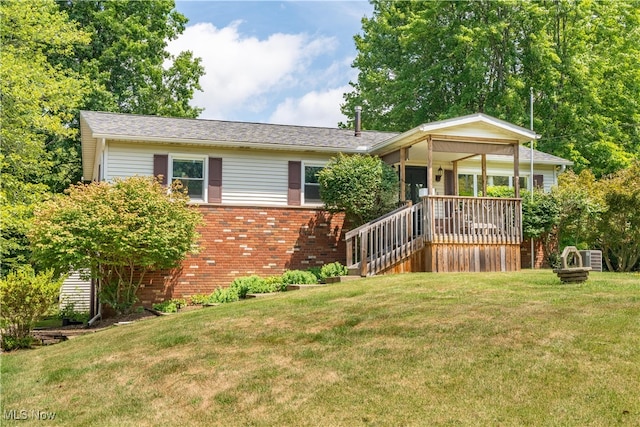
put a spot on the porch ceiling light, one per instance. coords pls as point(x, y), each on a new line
point(439, 174)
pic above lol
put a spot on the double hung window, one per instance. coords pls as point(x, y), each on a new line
point(191, 173)
point(311, 185)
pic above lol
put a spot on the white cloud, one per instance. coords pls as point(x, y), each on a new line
point(242, 72)
point(312, 109)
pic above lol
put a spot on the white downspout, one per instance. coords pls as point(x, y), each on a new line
point(533, 258)
point(99, 313)
point(97, 316)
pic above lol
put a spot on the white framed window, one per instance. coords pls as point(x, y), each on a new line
point(191, 171)
point(471, 184)
point(311, 184)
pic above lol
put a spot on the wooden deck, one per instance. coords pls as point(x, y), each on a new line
point(440, 234)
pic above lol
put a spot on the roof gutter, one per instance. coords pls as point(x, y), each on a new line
point(233, 144)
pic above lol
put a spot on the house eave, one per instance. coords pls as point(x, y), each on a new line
point(231, 144)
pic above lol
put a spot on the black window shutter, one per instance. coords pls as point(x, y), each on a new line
point(215, 180)
point(161, 167)
point(295, 184)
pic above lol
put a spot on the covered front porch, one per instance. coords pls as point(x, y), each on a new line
point(437, 229)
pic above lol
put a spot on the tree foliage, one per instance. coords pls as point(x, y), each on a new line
point(603, 214)
point(58, 58)
point(426, 61)
point(25, 297)
point(117, 231)
point(363, 187)
point(127, 60)
point(618, 230)
point(580, 208)
point(128, 66)
point(39, 99)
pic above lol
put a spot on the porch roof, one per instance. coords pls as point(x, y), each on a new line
point(479, 128)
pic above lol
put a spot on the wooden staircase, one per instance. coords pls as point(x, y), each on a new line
point(380, 244)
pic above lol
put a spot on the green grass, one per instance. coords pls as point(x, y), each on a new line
point(51, 322)
point(414, 349)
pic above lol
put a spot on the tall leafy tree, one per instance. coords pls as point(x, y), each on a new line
point(128, 65)
point(38, 101)
point(127, 57)
point(424, 61)
point(58, 58)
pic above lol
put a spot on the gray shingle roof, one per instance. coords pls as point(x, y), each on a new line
point(132, 126)
point(540, 157)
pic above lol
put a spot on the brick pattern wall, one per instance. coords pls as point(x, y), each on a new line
point(241, 241)
point(540, 258)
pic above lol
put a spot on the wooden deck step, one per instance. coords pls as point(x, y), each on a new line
point(354, 271)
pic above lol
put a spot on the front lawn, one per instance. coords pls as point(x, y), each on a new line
point(414, 349)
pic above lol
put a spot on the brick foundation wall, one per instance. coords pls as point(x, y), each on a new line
point(540, 258)
point(241, 241)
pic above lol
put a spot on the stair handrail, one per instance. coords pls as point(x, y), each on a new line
point(357, 230)
point(380, 244)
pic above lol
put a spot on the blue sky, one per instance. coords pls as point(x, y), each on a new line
point(283, 62)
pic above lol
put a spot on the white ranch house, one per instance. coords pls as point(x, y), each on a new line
point(256, 171)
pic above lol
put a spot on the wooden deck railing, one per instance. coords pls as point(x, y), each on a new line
point(380, 244)
point(385, 241)
point(483, 220)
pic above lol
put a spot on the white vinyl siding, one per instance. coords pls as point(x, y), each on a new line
point(249, 177)
point(129, 160)
point(77, 291)
point(254, 179)
point(260, 177)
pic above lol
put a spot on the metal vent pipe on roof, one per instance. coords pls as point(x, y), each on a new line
point(358, 121)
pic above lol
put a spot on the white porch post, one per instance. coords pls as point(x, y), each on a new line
point(455, 179)
point(403, 174)
point(429, 165)
point(484, 175)
point(516, 170)
point(428, 208)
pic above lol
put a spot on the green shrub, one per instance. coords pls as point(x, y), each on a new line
point(170, 306)
point(316, 271)
point(275, 284)
point(12, 343)
point(25, 297)
point(361, 186)
point(248, 284)
point(69, 312)
point(121, 300)
point(334, 269)
point(220, 295)
point(298, 277)
point(199, 299)
point(501, 191)
point(267, 285)
point(224, 295)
